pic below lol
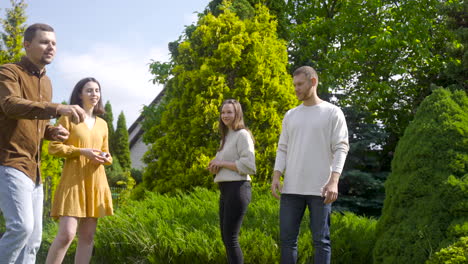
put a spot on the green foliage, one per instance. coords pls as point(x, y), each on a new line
point(225, 57)
point(457, 253)
point(122, 149)
point(382, 55)
point(184, 229)
point(51, 170)
point(361, 184)
point(426, 206)
point(137, 175)
point(454, 75)
point(50, 229)
point(11, 40)
point(109, 117)
point(161, 71)
point(242, 8)
point(245, 9)
point(118, 174)
point(115, 173)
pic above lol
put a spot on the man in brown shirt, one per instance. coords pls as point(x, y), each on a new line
point(25, 110)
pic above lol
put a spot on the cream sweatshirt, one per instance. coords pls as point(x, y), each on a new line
point(312, 144)
point(238, 148)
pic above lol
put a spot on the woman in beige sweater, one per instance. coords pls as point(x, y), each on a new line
point(234, 161)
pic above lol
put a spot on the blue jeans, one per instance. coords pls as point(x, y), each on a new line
point(21, 202)
point(234, 200)
point(292, 208)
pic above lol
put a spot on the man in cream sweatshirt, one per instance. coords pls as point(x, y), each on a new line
point(311, 154)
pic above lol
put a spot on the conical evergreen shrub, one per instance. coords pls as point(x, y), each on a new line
point(426, 204)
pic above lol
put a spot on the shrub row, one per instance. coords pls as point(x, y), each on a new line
point(184, 228)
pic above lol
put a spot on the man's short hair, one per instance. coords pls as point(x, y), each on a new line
point(308, 71)
point(31, 30)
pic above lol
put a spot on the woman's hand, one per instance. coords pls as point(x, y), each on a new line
point(214, 166)
point(96, 156)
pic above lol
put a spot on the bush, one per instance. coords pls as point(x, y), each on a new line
point(457, 253)
point(184, 229)
point(427, 192)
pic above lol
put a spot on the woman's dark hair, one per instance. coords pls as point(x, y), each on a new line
point(75, 96)
point(237, 123)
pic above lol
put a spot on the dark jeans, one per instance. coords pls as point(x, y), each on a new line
point(233, 202)
point(292, 208)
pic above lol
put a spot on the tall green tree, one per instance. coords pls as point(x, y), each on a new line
point(122, 148)
point(426, 207)
point(109, 117)
point(11, 39)
point(224, 57)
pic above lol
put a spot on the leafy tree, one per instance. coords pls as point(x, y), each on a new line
point(362, 183)
point(380, 54)
point(11, 40)
point(426, 194)
point(224, 57)
point(122, 149)
point(383, 55)
point(381, 58)
point(454, 75)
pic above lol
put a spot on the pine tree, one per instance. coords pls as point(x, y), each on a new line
point(224, 57)
point(11, 40)
point(426, 207)
point(122, 149)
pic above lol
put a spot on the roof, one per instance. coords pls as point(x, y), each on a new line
point(137, 122)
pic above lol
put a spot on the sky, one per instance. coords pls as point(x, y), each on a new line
point(113, 41)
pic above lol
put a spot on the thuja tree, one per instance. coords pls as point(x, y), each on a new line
point(109, 117)
point(224, 57)
point(426, 207)
point(11, 40)
point(121, 147)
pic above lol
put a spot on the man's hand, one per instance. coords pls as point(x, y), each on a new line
point(59, 133)
point(330, 190)
point(276, 187)
point(75, 112)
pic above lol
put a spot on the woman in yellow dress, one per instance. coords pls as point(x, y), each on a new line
point(83, 194)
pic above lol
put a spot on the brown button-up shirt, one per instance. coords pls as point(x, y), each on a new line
point(25, 110)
